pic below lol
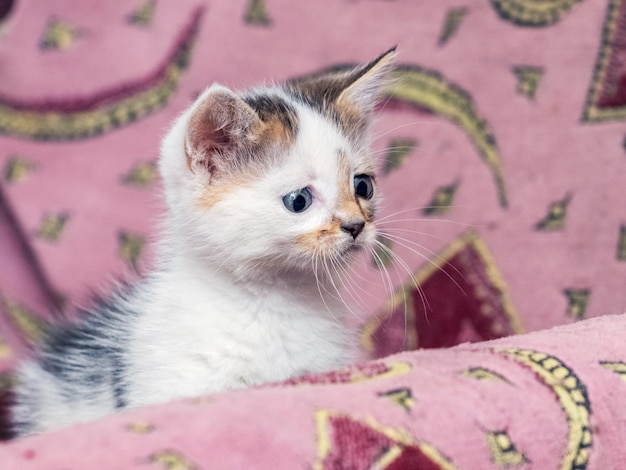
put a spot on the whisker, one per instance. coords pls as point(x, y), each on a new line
point(408, 270)
point(333, 265)
point(425, 304)
point(410, 209)
point(383, 221)
point(382, 151)
point(410, 232)
point(415, 209)
point(331, 279)
point(384, 274)
point(344, 278)
point(384, 104)
point(349, 275)
point(315, 259)
point(406, 244)
point(381, 265)
point(404, 297)
point(415, 123)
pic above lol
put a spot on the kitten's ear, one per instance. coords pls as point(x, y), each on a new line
point(367, 82)
point(220, 124)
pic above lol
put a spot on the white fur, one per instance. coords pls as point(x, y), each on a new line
point(242, 293)
point(233, 302)
point(213, 322)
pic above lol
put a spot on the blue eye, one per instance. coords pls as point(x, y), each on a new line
point(298, 200)
point(363, 186)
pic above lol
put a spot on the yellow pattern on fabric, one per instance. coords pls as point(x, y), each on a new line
point(256, 14)
point(397, 150)
point(503, 452)
point(130, 246)
point(429, 89)
point(17, 169)
point(577, 300)
point(140, 427)
point(555, 218)
point(141, 175)
point(441, 200)
point(528, 79)
point(172, 460)
point(59, 125)
point(26, 321)
point(480, 373)
point(59, 35)
point(533, 13)
point(615, 366)
point(572, 396)
point(451, 24)
point(52, 226)
point(144, 14)
point(402, 397)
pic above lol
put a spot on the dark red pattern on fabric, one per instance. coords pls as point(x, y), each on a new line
point(341, 376)
point(457, 303)
point(613, 89)
point(356, 446)
point(458, 293)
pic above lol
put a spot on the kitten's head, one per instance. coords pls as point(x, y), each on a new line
point(278, 179)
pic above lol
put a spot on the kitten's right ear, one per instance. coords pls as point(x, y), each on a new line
point(220, 124)
point(366, 82)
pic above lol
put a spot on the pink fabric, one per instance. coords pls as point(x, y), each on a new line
point(544, 151)
point(512, 115)
point(545, 400)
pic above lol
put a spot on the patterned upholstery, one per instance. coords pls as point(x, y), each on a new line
point(501, 144)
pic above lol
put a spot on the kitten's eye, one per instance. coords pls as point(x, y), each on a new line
point(363, 186)
point(298, 200)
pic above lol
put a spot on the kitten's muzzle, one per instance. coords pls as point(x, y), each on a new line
point(353, 228)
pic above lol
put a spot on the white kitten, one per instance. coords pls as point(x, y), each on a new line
point(268, 192)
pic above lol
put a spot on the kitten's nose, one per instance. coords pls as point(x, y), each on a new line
point(353, 228)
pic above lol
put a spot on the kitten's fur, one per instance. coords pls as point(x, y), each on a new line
point(240, 295)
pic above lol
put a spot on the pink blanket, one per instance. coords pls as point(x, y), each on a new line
point(502, 155)
point(545, 400)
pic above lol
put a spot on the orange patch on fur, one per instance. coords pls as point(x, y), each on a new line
point(217, 191)
point(351, 117)
point(352, 211)
point(321, 240)
point(346, 191)
point(273, 131)
point(214, 194)
point(349, 205)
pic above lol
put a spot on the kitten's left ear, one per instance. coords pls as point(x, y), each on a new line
point(367, 82)
point(220, 125)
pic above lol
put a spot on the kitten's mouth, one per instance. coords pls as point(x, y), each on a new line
point(351, 249)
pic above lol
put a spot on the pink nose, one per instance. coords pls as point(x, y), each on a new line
point(353, 228)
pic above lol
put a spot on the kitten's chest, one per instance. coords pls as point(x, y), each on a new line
point(224, 342)
point(272, 338)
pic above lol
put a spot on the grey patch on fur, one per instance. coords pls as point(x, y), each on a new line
point(272, 106)
point(320, 92)
point(85, 360)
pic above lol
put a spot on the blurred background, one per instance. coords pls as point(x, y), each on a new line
point(501, 145)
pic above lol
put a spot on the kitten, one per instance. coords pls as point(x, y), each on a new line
point(268, 192)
